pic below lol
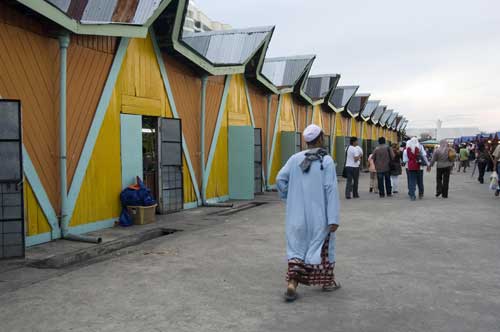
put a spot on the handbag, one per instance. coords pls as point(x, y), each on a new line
point(344, 170)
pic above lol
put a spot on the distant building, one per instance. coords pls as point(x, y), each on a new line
point(440, 133)
point(197, 21)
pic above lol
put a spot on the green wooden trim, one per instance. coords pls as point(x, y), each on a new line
point(218, 125)
point(275, 135)
point(249, 102)
point(190, 206)
point(34, 240)
point(95, 128)
point(93, 226)
point(173, 107)
point(40, 194)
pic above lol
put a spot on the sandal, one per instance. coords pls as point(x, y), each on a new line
point(290, 295)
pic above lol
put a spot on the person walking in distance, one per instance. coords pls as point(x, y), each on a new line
point(496, 166)
point(382, 157)
point(483, 158)
point(423, 162)
point(396, 168)
point(444, 157)
point(412, 155)
point(354, 154)
point(373, 174)
point(308, 184)
point(464, 158)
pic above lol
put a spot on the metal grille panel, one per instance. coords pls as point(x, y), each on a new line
point(11, 194)
point(258, 159)
point(172, 198)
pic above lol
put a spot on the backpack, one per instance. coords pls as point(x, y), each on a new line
point(452, 155)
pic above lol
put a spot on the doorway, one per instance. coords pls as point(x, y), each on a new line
point(150, 154)
point(11, 178)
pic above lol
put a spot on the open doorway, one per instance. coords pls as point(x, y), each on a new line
point(150, 154)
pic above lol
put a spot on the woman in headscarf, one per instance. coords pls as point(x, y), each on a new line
point(412, 153)
point(442, 157)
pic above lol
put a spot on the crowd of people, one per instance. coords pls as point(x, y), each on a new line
point(386, 164)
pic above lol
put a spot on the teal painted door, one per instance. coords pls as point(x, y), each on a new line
point(241, 147)
point(131, 148)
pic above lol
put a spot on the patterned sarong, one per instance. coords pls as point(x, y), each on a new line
point(313, 274)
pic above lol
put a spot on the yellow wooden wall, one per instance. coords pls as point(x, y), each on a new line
point(237, 102)
point(317, 118)
point(140, 90)
point(34, 217)
point(354, 127)
point(286, 122)
point(99, 195)
point(236, 113)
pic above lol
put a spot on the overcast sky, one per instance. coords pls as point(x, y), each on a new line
point(427, 59)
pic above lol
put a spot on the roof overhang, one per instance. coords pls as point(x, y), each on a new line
point(357, 104)
point(371, 106)
point(318, 97)
point(110, 29)
point(342, 108)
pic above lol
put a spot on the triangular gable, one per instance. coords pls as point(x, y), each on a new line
point(319, 88)
point(286, 72)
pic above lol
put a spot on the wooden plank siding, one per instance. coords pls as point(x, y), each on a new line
point(259, 107)
point(215, 90)
point(29, 64)
point(88, 70)
point(326, 121)
point(186, 88)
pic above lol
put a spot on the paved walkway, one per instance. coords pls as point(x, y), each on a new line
point(430, 265)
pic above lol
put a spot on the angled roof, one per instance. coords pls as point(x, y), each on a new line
point(392, 120)
point(286, 72)
point(385, 117)
point(401, 123)
point(378, 114)
point(123, 18)
point(320, 87)
point(405, 124)
point(370, 107)
point(227, 47)
point(357, 104)
point(341, 96)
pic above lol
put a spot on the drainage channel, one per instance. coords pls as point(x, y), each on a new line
point(240, 208)
point(79, 256)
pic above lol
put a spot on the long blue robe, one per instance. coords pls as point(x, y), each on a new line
point(312, 204)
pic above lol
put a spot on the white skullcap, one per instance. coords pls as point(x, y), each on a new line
point(311, 133)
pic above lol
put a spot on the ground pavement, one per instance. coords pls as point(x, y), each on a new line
point(429, 265)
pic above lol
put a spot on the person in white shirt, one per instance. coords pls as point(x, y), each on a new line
point(354, 154)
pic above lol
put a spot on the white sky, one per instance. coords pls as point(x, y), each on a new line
point(427, 59)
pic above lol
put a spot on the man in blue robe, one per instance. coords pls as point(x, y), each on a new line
point(308, 184)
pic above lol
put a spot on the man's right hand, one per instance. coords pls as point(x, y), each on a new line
point(333, 228)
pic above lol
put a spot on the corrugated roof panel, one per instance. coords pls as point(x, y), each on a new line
point(285, 71)
point(370, 107)
point(342, 95)
point(392, 118)
point(378, 113)
point(61, 4)
point(98, 11)
point(229, 46)
point(145, 10)
point(317, 87)
point(385, 117)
